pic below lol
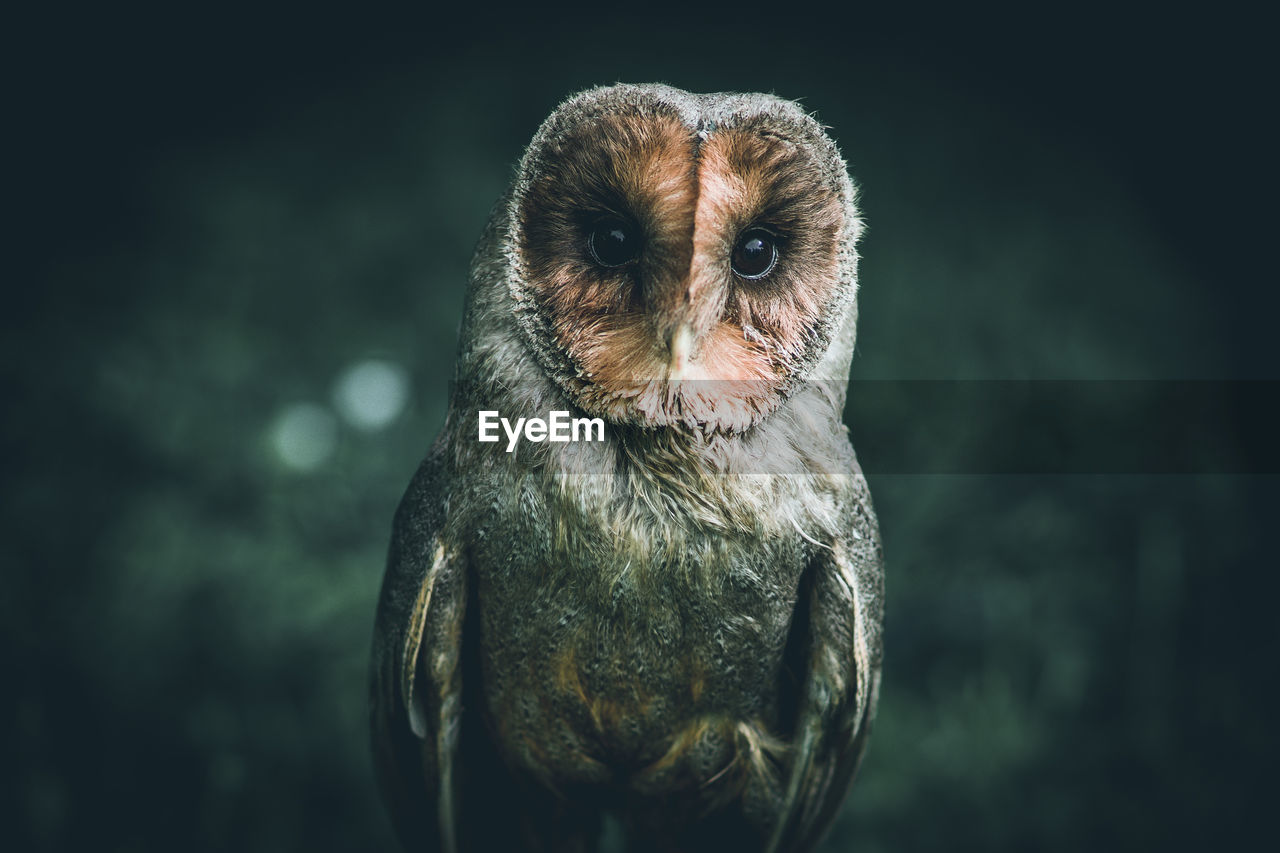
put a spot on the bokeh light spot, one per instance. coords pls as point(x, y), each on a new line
point(304, 436)
point(370, 394)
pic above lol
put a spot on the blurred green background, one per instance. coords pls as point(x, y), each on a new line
point(242, 237)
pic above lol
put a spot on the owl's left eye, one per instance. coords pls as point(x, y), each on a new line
point(614, 242)
point(755, 254)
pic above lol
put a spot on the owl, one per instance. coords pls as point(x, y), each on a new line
point(635, 589)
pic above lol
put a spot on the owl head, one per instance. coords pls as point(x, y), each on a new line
point(682, 260)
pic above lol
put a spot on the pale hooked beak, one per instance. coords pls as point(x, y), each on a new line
point(681, 346)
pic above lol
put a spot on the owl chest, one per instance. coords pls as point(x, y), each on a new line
point(609, 657)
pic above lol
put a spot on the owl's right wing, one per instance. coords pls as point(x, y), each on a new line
point(416, 700)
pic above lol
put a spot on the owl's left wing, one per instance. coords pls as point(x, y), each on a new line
point(416, 698)
point(841, 684)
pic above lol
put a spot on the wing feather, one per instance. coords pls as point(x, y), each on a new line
point(416, 673)
point(839, 690)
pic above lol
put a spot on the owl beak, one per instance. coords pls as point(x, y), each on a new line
point(681, 347)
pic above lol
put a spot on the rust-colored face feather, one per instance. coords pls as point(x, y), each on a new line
point(677, 333)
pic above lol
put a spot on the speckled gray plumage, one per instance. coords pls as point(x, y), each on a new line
point(681, 628)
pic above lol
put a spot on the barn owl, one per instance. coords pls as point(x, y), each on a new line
point(666, 622)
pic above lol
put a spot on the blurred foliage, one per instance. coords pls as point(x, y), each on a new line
point(1071, 660)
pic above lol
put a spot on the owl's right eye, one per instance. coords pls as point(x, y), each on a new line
point(614, 242)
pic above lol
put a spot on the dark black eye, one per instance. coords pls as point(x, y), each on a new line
point(755, 255)
point(614, 242)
